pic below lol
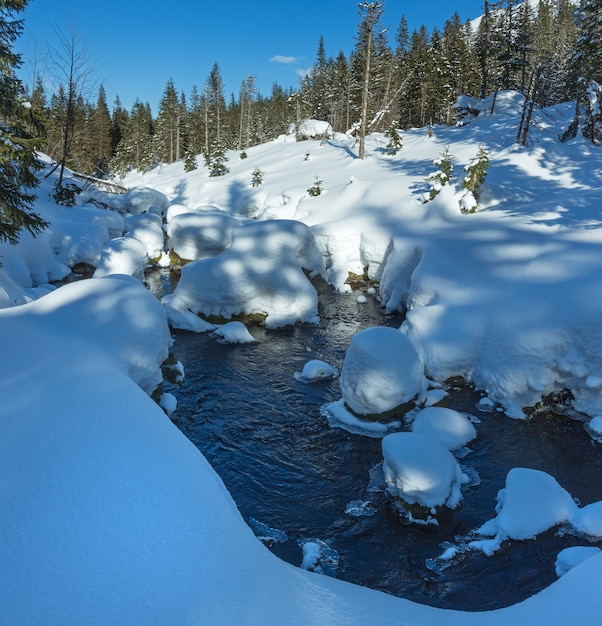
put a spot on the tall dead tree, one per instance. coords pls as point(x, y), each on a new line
point(370, 13)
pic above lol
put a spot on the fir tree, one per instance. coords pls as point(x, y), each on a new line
point(395, 142)
point(101, 128)
point(475, 176)
point(18, 163)
point(316, 188)
point(256, 177)
point(189, 161)
point(586, 68)
point(168, 138)
point(216, 160)
point(438, 179)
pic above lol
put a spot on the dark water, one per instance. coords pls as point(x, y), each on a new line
point(286, 467)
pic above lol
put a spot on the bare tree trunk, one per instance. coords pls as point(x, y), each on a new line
point(365, 92)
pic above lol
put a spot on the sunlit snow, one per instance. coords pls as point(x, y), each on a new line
point(110, 515)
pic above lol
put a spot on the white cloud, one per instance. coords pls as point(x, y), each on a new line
point(279, 58)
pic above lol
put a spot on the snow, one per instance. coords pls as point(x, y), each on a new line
point(530, 503)
point(110, 515)
point(233, 332)
point(197, 235)
point(124, 255)
point(571, 557)
point(454, 430)
point(316, 370)
point(421, 470)
point(261, 272)
point(380, 372)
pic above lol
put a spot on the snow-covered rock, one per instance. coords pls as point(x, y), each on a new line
point(571, 557)
point(381, 371)
point(311, 129)
point(315, 370)
point(196, 235)
point(420, 470)
point(124, 255)
point(530, 503)
point(261, 272)
point(141, 200)
point(233, 332)
point(449, 427)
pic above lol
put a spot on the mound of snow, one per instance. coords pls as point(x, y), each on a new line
point(197, 235)
point(117, 315)
point(316, 370)
point(142, 200)
point(381, 371)
point(571, 557)
point(530, 503)
point(311, 129)
point(447, 426)
point(262, 272)
point(124, 255)
point(233, 332)
point(420, 470)
point(588, 520)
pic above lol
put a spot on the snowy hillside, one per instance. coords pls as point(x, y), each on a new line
point(109, 515)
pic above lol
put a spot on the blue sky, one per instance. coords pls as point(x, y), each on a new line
point(135, 46)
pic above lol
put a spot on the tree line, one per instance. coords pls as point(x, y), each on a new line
point(391, 79)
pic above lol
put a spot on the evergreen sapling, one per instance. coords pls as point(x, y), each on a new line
point(441, 177)
point(475, 176)
point(395, 141)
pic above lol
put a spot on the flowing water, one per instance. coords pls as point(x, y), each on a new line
point(287, 468)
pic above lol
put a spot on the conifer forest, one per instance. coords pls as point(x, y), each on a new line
point(391, 79)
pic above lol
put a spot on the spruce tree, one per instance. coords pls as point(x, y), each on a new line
point(586, 70)
point(101, 140)
point(18, 163)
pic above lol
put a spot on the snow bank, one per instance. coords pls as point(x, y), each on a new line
point(262, 272)
point(115, 315)
point(110, 515)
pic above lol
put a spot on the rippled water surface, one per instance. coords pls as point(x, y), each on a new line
point(286, 467)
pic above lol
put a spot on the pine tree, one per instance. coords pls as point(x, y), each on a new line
point(119, 120)
point(18, 163)
point(136, 148)
point(101, 129)
point(370, 16)
point(395, 142)
point(168, 136)
point(441, 177)
point(216, 160)
point(586, 68)
point(475, 176)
